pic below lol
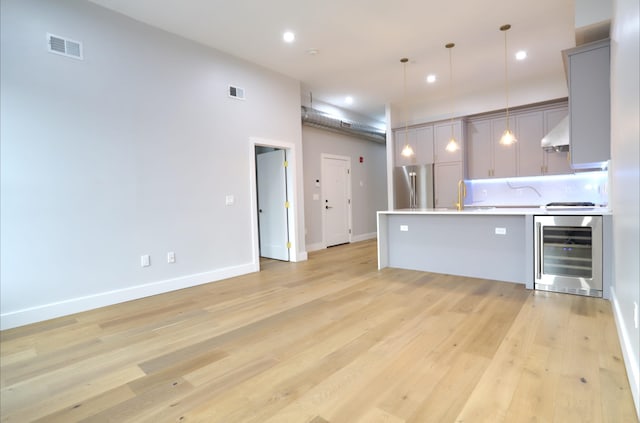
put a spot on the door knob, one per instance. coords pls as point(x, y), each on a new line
point(328, 207)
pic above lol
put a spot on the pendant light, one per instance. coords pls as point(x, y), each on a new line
point(452, 145)
point(507, 136)
point(407, 151)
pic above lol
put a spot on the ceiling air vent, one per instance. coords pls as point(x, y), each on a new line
point(64, 46)
point(236, 92)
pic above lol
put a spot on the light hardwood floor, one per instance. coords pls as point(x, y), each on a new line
point(327, 340)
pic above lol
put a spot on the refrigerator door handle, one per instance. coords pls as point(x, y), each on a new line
point(538, 251)
point(412, 197)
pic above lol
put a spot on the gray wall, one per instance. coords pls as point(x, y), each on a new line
point(368, 180)
point(128, 152)
point(625, 173)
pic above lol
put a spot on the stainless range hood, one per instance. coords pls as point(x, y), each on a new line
point(558, 138)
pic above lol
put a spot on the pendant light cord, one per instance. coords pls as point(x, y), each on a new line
point(451, 86)
point(404, 90)
point(506, 75)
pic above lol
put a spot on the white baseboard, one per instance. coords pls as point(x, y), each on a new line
point(355, 238)
point(75, 305)
point(630, 359)
point(364, 237)
point(315, 247)
point(302, 256)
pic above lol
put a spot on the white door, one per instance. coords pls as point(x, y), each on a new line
point(272, 199)
point(336, 201)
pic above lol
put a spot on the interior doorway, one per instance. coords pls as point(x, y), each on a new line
point(273, 222)
point(336, 199)
point(293, 211)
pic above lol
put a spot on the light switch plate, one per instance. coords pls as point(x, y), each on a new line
point(229, 200)
point(145, 260)
point(171, 257)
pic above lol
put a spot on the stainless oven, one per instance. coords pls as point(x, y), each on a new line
point(568, 254)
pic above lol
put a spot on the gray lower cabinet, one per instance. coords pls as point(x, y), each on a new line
point(588, 70)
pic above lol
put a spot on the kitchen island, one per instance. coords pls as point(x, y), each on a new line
point(487, 243)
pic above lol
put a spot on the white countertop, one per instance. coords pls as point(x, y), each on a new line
point(505, 211)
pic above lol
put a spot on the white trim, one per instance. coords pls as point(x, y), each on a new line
point(292, 195)
point(316, 247)
point(630, 359)
point(302, 256)
point(89, 302)
point(364, 237)
point(356, 238)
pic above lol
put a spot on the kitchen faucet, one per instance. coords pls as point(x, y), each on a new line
point(462, 193)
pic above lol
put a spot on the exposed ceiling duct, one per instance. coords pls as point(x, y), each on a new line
point(318, 119)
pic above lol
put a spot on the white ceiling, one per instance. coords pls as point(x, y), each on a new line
point(360, 42)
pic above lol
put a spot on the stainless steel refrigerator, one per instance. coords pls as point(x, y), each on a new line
point(413, 186)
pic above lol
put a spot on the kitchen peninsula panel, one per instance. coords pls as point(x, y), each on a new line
point(496, 247)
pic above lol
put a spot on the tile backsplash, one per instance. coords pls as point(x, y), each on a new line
point(539, 190)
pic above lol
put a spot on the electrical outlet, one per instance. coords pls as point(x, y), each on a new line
point(404, 228)
point(171, 257)
point(145, 260)
point(501, 231)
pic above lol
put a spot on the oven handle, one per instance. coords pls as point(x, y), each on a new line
point(539, 247)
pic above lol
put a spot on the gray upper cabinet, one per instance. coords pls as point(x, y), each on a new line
point(421, 141)
point(555, 162)
point(442, 135)
point(530, 128)
point(424, 142)
point(400, 139)
point(529, 132)
point(487, 158)
point(588, 71)
point(479, 149)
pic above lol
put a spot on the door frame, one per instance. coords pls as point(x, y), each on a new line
point(324, 156)
point(292, 195)
point(275, 205)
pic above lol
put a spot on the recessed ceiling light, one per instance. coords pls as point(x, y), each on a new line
point(521, 55)
point(348, 100)
point(431, 79)
point(288, 37)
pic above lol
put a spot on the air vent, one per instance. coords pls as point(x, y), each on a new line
point(64, 46)
point(236, 92)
